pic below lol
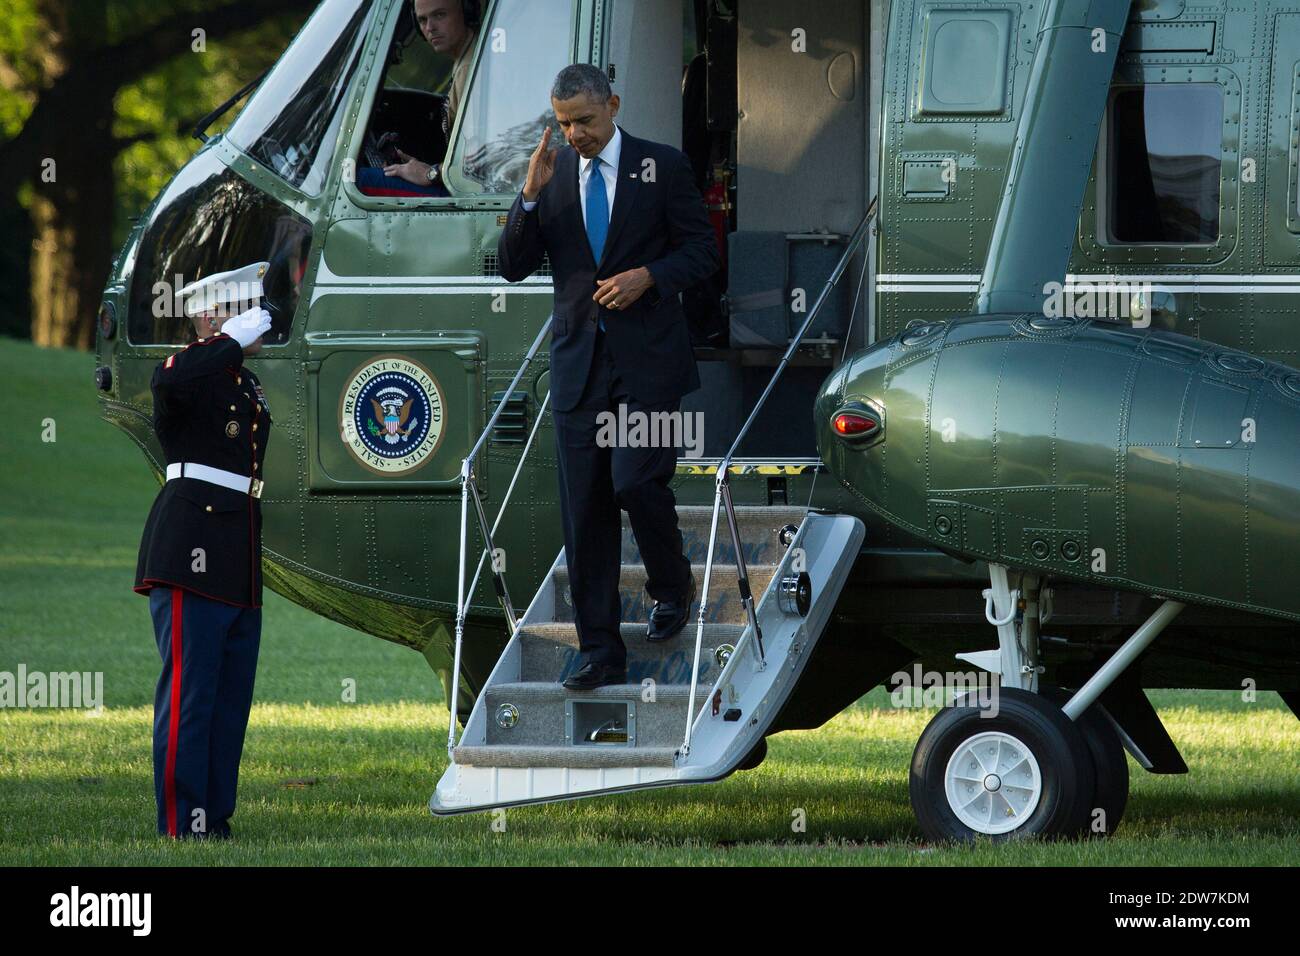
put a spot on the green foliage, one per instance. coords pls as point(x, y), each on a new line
point(165, 104)
point(40, 40)
point(21, 69)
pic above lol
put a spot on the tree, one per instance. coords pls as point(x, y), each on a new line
point(66, 68)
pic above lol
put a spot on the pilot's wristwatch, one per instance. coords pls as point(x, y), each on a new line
point(435, 170)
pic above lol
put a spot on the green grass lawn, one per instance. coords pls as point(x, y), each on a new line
point(328, 782)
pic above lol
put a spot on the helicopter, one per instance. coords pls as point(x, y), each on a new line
point(1001, 353)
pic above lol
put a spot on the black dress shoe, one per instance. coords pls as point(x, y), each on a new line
point(596, 675)
point(669, 617)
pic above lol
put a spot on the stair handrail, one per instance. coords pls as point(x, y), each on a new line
point(722, 493)
point(469, 491)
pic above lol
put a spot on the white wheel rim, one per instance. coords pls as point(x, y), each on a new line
point(993, 783)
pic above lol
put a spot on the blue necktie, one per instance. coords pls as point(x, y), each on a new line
point(597, 213)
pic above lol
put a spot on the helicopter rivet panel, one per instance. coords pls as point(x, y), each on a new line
point(1094, 450)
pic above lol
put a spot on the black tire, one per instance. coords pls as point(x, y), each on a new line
point(1109, 764)
point(757, 754)
point(1057, 746)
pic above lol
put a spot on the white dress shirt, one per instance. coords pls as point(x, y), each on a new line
point(609, 172)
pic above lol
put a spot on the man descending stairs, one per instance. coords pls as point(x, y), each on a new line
point(530, 740)
point(534, 721)
point(684, 710)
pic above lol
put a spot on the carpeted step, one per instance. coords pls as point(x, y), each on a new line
point(550, 652)
point(541, 711)
point(724, 597)
point(586, 757)
point(758, 534)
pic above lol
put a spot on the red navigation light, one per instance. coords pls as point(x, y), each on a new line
point(854, 425)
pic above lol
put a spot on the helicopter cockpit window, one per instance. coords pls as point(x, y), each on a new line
point(296, 111)
point(528, 42)
point(209, 220)
point(425, 75)
point(1166, 156)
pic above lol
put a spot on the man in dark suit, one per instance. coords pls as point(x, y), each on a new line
point(626, 231)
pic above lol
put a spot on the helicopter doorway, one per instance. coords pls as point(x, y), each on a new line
point(777, 122)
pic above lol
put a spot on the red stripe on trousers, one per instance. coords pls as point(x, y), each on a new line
point(173, 731)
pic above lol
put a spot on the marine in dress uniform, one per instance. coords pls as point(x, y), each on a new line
point(201, 553)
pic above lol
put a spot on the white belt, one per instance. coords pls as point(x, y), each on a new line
point(215, 476)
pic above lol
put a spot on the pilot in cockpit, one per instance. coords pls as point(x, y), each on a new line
point(451, 28)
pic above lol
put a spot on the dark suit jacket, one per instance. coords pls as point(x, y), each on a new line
point(658, 221)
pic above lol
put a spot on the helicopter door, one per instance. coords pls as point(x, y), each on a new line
point(801, 163)
point(409, 293)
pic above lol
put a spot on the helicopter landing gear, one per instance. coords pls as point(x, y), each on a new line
point(1033, 760)
point(1109, 764)
point(1015, 768)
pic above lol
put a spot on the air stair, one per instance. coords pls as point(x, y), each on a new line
point(694, 708)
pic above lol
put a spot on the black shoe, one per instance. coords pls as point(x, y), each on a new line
point(596, 675)
point(669, 617)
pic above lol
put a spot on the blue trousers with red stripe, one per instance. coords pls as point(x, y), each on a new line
point(200, 708)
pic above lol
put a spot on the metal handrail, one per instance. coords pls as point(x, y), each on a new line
point(722, 493)
point(514, 479)
point(468, 490)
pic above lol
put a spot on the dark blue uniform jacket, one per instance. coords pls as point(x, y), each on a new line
point(210, 410)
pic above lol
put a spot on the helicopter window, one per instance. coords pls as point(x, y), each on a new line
point(413, 64)
point(210, 220)
point(416, 107)
point(509, 105)
point(1166, 155)
point(296, 109)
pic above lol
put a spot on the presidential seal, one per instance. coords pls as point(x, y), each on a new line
point(392, 415)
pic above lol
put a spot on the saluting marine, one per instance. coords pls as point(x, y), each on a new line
point(201, 554)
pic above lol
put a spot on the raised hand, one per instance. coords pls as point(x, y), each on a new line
point(247, 327)
point(541, 167)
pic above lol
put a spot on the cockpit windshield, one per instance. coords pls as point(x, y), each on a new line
point(527, 44)
point(296, 109)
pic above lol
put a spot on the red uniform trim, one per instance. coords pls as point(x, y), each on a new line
point(174, 727)
point(207, 341)
point(252, 534)
point(150, 583)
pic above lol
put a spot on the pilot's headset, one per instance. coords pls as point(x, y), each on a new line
point(472, 10)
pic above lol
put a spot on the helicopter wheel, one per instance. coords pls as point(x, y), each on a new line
point(1021, 770)
point(1109, 764)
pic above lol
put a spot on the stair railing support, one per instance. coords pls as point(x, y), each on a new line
point(469, 490)
point(722, 491)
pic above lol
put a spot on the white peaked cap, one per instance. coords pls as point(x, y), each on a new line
point(237, 285)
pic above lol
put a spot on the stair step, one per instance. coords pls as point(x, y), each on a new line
point(553, 691)
point(541, 709)
point(550, 652)
point(724, 598)
point(758, 534)
point(591, 756)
